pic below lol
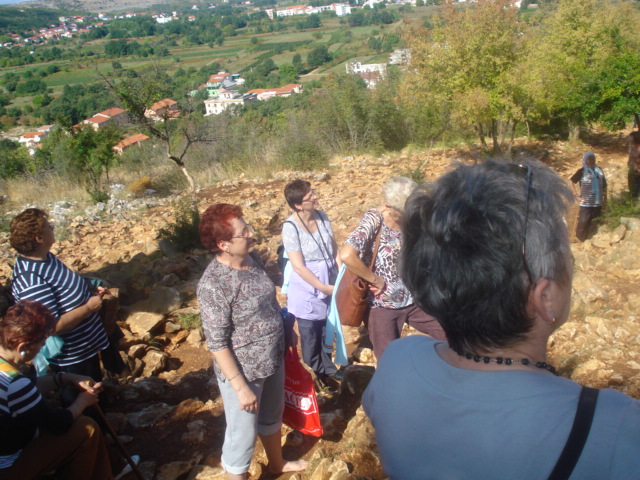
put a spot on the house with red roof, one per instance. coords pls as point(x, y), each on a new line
point(31, 139)
point(111, 116)
point(286, 91)
point(133, 140)
point(163, 109)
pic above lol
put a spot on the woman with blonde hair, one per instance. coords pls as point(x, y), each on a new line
point(391, 302)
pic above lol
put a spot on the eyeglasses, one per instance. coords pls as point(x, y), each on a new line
point(247, 232)
point(309, 196)
point(521, 168)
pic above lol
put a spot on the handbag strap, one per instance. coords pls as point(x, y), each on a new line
point(376, 246)
point(578, 436)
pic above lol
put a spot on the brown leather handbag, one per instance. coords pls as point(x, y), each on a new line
point(352, 296)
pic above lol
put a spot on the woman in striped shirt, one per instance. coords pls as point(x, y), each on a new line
point(592, 194)
point(37, 437)
point(38, 275)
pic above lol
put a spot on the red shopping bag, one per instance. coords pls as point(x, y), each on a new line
point(300, 403)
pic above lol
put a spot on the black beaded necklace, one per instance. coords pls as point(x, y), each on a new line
point(508, 361)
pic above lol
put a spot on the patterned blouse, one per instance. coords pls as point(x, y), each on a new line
point(239, 311)
point(395, 295)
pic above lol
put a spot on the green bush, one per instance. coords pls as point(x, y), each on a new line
point(183, 233)
point(189, 321)
point(302, 154)
point(617, 207)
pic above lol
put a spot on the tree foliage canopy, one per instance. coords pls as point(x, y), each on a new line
point(464, 65)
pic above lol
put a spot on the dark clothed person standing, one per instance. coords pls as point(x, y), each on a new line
point(592, 193)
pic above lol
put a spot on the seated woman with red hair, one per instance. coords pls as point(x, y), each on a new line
point(37, 437)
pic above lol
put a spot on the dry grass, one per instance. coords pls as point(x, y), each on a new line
point(139, 186)
point(22, 191)
point(149, 171)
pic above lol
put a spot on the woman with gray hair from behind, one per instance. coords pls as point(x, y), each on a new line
point(486, 252)
point(391, 303)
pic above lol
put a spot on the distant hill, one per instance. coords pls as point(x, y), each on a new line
point(16, 18)
point(97, 6)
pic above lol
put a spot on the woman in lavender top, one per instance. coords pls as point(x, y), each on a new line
point(244, 330)
point(308, 239)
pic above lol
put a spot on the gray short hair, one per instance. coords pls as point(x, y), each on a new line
point(396, 190)
point(462, 255)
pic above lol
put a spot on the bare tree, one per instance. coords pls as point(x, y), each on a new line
point(178, 130)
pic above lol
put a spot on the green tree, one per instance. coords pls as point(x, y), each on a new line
point(287, 73)
point(13, 159)
point(578, 43)
point(463, 65)
point(84, 154)
point(318, 56)
point(344, 114)
point(613, 96)
point(296, 61)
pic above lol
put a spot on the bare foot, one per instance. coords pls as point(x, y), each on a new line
point(290, 466)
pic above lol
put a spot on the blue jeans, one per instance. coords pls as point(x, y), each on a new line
point(311, 340)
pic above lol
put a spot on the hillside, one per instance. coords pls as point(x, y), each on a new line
point(96, 6)
point(173, 410)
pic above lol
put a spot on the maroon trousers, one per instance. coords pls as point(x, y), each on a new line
point(385, 325)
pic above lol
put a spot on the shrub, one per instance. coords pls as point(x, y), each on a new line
point(302, 154)
point(189, 321)
point(623, 205)
point(139, 186)
point(183, 233)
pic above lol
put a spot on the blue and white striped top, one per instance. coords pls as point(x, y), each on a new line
point(52, 283)
point(24, 413)
point(17, 396)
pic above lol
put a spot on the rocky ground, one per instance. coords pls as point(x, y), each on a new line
point(172, 407)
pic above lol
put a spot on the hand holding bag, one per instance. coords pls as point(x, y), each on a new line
point(300, 403)
point(352, 294)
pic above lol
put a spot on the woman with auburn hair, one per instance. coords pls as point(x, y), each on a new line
point(486, 252)
point(244, 330)
point(38, 275)
point(37, 437)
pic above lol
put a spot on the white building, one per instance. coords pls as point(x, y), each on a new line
point(400, 56)
point(357, 67)
point(341, 9)
point(226, 100)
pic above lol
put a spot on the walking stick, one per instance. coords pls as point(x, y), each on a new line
point(119, 444)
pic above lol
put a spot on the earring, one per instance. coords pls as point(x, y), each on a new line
point(23, 353)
